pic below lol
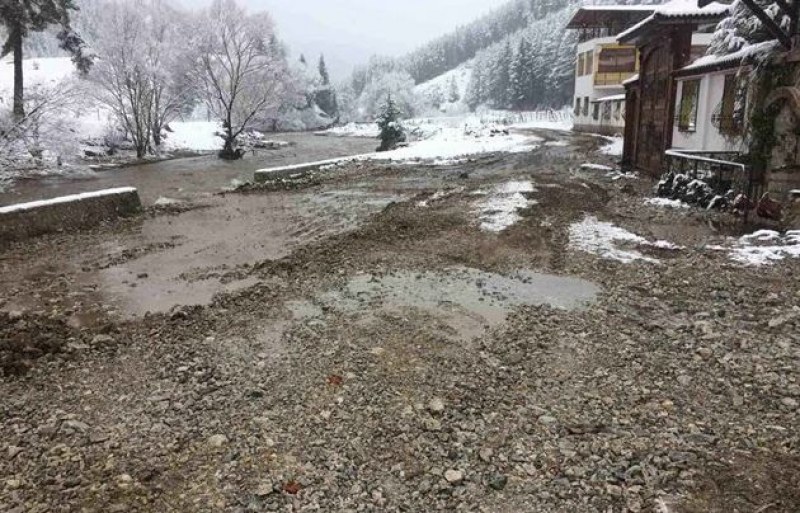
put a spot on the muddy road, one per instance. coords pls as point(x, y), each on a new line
point(370, 340)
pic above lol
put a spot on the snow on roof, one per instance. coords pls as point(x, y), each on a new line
point(19, 207)
point(634, 78)
point(731, 59)
point(600, 15)
point(677, 9)
point(612, 98)
point(617, 8)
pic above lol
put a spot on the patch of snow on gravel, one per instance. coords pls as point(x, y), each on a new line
point(603, 239)
point(614, 147)
point(499, 210)
point(765, 247)
point(665, 203)
point(596, 167)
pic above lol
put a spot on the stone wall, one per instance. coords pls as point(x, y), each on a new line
point(67, 213)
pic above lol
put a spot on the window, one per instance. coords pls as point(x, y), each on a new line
point(617, 60)
point(577, 106)
point(596, 111)
point(618, 109)
point(580, 65)
point(687, 115)
point(586, 106)
point(729, 114)
point(589, 66)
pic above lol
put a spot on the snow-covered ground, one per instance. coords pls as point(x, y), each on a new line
point(614, 146)
point(763, 247)
point(612, 242)
point(499, 209)
point(194, 135)
point(38, 72)
point(665, 203)
point(443, 83)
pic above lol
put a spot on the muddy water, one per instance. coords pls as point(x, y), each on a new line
point(192, 177)
point(467, 300)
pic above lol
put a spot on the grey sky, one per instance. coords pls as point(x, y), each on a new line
point(349, 31)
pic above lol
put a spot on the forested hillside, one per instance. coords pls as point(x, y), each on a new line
point(451, 50)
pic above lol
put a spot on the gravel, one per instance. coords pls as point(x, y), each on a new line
point(674, 391)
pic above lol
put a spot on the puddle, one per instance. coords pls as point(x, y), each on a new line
point(467, 300)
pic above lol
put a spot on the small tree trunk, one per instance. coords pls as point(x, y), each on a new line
point(19, 83)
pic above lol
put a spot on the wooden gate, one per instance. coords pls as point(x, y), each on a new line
point(655, 118)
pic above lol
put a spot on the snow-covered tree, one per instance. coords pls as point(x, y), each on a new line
point(240, 68)
point(20, 18)
point(141, 70)
point(453, 94)
point(398, 84)
point(392, 132)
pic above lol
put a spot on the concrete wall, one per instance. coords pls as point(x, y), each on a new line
point(65, 214)
point(706, 137)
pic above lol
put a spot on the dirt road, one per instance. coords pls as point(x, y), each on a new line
point(377, 347)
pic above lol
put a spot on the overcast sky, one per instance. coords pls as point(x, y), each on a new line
point(349, 31)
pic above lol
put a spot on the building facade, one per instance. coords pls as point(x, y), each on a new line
point(602, 65)
point(673, 37)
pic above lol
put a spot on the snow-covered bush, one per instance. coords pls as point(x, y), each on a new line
point(392, 131)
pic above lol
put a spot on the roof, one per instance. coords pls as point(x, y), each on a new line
point(710, 63)
point(591, 16)
point(677, 11)
point(612, 98)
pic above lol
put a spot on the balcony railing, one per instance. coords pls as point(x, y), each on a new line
point(609, 79)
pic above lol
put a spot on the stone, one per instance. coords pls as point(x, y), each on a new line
point(436, 405)
point(217, 440)
point(13, 451)
point(13, 484)
point(264, 490)
point(789, 402)
point(453, 476)
point(705, 353)
point(76, 425)
point(486, 454)
point(498, 482)
point(102, 339)
point(547, 420)
point(431, 424)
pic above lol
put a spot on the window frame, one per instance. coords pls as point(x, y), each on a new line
point(687, 113)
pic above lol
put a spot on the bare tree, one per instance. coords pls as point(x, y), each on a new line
point(240, 68)
point(139, 68)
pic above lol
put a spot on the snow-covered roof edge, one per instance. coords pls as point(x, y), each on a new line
point(728, 60)
point(677, 10)
point(613, 97)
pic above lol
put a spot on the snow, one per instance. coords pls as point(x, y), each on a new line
point(765, 247)
point(732, 58)
point(441, 194)
point(194, 135)
point(677, 9)
point(614, 147)
point(37, 72)
point(461, 75)
point(665, 203)
point(499, 210)
point(353, 129)
point(20, 207)
point(604, 239)
point(612, 98)
point(596, 167)
point(634, 78)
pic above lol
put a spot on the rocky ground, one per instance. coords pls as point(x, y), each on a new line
point(381, 352)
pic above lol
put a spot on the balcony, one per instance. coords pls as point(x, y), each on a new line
point(612, 78)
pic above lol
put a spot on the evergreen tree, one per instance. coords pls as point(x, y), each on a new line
point(20, 18)
point(323, 71)
point(453, 94)
point(392, 132)
point(303, 60)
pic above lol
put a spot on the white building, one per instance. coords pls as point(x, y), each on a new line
point(602, 65)
point(708, 117)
